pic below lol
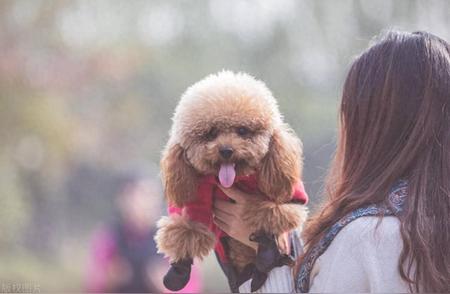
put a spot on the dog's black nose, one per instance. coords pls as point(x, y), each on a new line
point(226, 152)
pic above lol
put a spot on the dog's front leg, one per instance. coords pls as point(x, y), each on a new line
point(182, 240)
point(275, 218)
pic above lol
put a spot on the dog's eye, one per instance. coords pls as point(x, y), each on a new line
point(243, 131)
point(211, 134)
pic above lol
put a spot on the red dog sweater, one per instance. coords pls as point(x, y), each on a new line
point(200, 210)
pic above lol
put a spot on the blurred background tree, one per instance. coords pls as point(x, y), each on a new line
point(87, 89)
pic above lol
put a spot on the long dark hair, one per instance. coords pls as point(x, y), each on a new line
point(395, 124)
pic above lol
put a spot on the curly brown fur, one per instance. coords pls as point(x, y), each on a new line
point(180, 238)
point(240, 254)
point(179, 178)
point(281, 167)
point(210, 114)
point(272, 217)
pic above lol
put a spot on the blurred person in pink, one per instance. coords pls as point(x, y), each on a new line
point(123, 255)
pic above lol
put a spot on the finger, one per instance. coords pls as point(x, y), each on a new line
point(235, 194)
point(222, 225)
point(225, 206)
point(223, 216)
point(283, 243)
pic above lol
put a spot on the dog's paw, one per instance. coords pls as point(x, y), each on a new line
point(180, 238)
point(272, 217)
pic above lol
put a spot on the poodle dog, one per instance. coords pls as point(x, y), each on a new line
point(227, 130)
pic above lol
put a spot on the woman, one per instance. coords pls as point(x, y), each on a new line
point(123, 257)
point(384, 226)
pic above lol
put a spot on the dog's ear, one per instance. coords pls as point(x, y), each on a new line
point(282, 165)
point(179, 178)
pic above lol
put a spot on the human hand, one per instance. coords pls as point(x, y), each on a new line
point(228, 216)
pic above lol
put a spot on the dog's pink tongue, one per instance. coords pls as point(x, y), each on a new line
point(227, 174)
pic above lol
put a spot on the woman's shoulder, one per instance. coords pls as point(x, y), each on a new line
point(370, 228)
point(363, 256)
point(366, 234)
